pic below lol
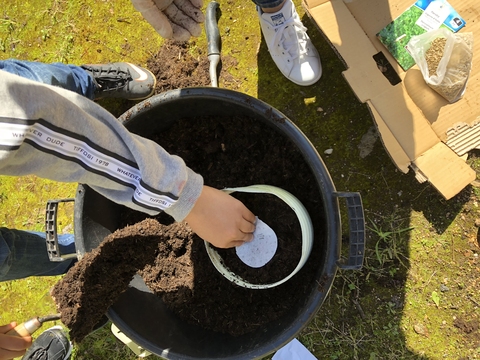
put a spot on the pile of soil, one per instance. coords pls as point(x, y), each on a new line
point(176, 67)
point(93, 284)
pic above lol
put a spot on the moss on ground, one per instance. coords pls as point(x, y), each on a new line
point(416, 297)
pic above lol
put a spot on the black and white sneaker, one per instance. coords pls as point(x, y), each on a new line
point(52, 344)
point(121, 80)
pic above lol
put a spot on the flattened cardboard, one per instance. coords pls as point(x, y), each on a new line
point(419, 129)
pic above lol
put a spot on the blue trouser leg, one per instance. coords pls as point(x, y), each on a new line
point(266, 4)
point(69, 77)
point(24, 254)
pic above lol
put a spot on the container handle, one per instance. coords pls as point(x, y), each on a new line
point(51, 236)
point(357, 231)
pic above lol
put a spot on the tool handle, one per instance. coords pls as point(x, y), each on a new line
point(211, 28)
point(26, 328)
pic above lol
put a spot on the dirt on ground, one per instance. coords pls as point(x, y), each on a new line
point(176, 67)
point(228, 151)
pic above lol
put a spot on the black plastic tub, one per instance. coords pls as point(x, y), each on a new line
point(141, 315)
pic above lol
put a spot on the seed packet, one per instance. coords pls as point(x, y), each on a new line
point(422, 16)
point(445, 60)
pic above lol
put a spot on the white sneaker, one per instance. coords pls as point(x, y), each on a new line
point(289, 45)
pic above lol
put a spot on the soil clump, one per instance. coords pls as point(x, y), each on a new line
point(93, 284)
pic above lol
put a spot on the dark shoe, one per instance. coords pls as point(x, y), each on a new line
point(52, 344)
point(121, 80)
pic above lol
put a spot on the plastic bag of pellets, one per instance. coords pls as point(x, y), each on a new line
point(445, 60)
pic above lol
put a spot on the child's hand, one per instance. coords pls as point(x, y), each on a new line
point(12, 346)
point(221, 219)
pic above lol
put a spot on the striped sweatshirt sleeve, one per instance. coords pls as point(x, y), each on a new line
point(59, 135)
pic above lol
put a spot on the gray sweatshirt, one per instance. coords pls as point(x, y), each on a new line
point(59, 135)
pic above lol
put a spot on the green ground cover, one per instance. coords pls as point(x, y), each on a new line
point(417, 296)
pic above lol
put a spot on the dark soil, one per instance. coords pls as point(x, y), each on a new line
point(471, 329)
point(175, 67)
point(232, 152)
point(228, 152)
point(93, 284)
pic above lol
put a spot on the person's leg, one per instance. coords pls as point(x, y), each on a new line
point(24, 254)
point(287, 41)
point(96, 81)
point(270, 5)
point(69, 77)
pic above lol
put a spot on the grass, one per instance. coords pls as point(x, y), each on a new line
point(388, 248)
point(420, 278)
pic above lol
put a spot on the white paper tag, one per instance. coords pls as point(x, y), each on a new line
point(294, 350)
point(261, 249)
point(433, 16)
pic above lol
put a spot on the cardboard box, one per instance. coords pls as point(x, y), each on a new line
point(419, 129)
